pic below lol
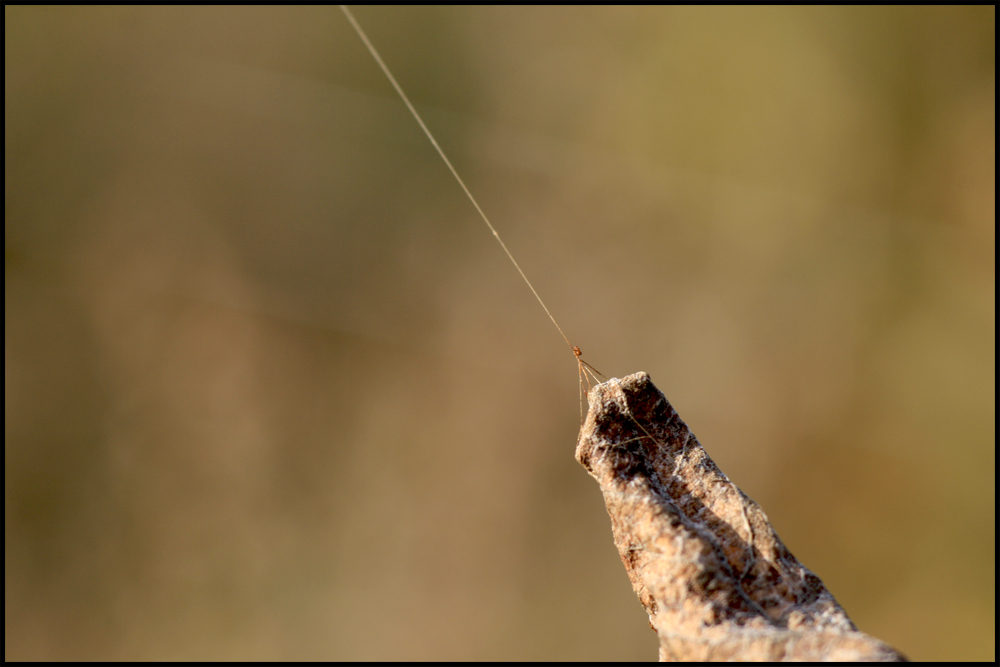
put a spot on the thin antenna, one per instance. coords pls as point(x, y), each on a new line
point(392, 80)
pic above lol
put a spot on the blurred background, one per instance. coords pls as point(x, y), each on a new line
point(272, 390)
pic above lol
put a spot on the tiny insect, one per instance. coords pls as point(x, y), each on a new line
point(586, 373)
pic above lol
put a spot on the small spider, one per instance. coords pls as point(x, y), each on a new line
point(586, 373)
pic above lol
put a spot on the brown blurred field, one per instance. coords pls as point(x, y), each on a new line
point(272, 391)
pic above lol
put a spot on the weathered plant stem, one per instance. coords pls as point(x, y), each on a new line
point(713, 576)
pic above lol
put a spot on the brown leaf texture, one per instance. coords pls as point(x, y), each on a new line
point(715, 579)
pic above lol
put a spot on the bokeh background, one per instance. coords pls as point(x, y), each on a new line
point(273, 391)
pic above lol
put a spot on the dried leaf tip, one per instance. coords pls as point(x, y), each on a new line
point(715, 579)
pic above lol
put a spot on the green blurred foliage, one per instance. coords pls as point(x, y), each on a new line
point(273, 392)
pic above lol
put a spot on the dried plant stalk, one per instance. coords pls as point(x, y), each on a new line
point(713, 576)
